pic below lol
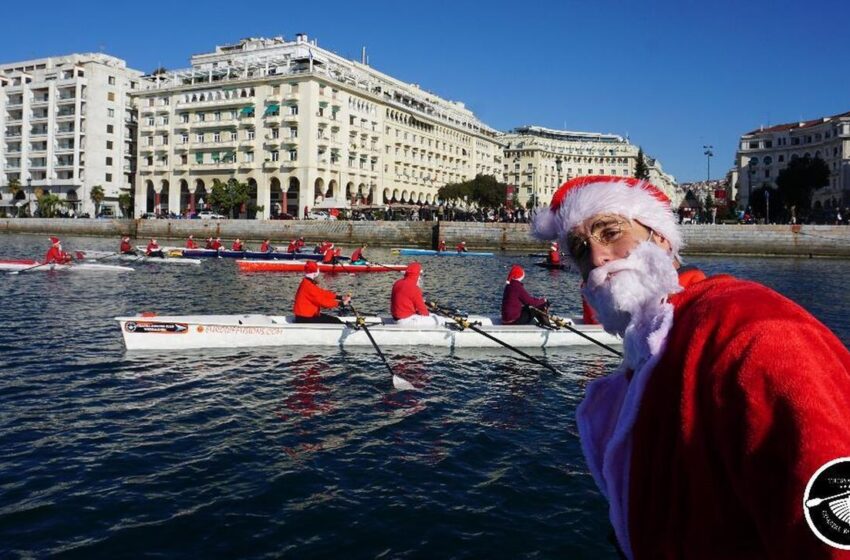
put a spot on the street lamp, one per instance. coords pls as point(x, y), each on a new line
point(751, 166)
point(767, 206)
point(708, 153)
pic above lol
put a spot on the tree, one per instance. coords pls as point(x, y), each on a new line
point(766, 197)
point(48, 204)
point(125, 202)
point(228, 197)
point(641, 169)
point(97, 196)
point(709, 201)
point(14, 187)
point(799, 180)
point(484, 191)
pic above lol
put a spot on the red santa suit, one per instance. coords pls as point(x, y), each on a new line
point(299, 244)
point(461, 247)
point(237, 246)
point(442, 245)
point(357, 255)
point(705, 448)
point(554, 256)
point(153, 247)
point(264, 247)
point(310, 299)
point(56, 255)
point(215, 245)
point(292, 247)
point(126, 248)
point(190, 244)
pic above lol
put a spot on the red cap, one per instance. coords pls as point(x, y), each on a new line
point(54, 240)
point(516, 273)
point(310, 267)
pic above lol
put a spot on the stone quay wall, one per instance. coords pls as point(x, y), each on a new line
point(783, 240)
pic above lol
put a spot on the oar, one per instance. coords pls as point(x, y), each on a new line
point(398, 382)
point(567, 324)
point(463, 323)
point(30, 268)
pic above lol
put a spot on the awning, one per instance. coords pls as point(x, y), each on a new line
point(272, 110)
point(332, 203)
point(247, 111)
point(323, 103)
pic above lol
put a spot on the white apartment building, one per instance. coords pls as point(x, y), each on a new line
point(302, 127)
point(67, 124)
point(763, 153)
point(538, 160)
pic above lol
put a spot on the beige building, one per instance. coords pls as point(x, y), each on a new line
point(303, 127)
point(763, 153)
point(538, 160)
point(67, 124)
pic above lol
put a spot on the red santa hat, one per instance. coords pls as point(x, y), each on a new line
point(516, 273)
point(583, 197)
point(414, 269)
point(54, 240)
point(311, 267)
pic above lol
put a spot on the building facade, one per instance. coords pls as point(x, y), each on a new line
point(67, 124)
point(538, 160)
point(763, 153)
point(304, 128)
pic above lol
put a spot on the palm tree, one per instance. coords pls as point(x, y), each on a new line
point(14, 187)
point(47, 205)
point(125, 202)
point(97, 196)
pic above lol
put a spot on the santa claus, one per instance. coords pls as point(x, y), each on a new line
point(729, 397)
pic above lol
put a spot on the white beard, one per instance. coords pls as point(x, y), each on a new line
point(629, 291)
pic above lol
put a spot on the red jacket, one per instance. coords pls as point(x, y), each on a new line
point(215, 245)
point(514, 297)
point(554, 257)
point(292, 248)
point(748, 399)
point(330, 254)
point(57, 255)
point(357, 255)
point(460, 248)
point(441, 246)
point(237, 246)
point(310, 299)
point(406, 298)
point(125, 247)
point(151, 248)
point(299, 243)
point(190, 244)
point(264, 248)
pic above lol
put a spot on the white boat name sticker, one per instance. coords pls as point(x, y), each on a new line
point(227, 329)
point(153, 327)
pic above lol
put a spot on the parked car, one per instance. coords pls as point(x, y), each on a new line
point(209, 215)
point(150, 216)
point(320, 215)
point(283, 216)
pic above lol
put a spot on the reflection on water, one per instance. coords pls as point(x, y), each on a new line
point(308, 451)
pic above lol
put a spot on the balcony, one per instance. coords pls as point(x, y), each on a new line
point(233, 102)
point(41, 102)
point(290, 118)
point(269, 164)
point(65, 116)
point(66, 100)
point(223, 123)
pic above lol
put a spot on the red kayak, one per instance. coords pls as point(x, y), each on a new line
point(298, 266)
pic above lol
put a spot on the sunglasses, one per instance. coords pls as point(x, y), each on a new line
point(605, 232)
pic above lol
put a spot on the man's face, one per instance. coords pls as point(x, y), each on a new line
point(603, 238)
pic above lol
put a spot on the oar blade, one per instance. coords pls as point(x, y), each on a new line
point(401, 384)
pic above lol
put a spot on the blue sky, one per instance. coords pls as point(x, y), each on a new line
point(673, 76)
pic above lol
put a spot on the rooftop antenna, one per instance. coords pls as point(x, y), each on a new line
point(363, 55)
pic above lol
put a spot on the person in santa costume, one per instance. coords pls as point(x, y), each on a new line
point(310, 299)
point(190, 242)
point(518, 306)
point(407, 305)
point(154, 250)
point(126, 248)
point(265, 246)
point(553, 257)
point(729, 397)
point(55, 254)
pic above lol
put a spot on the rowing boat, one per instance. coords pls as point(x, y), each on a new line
point(140, 258)
point(553, 266)
point(298, 266)
point(35, 266)
point(272, 255)
point(178, 332)
point(432, 253)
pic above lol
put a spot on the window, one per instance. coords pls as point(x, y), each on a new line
point(184, 118)
point(250, 134)
point(108, 161)
point(184, 138)
point(293, 154)
point(110, 129)
point(184, 159)
point(275, 133)
point(164, 120)
point(110, 112)
point(201, 117)
point(217, 137)
point(149, 160)
point(109, 177)
point(109, 144)
point(110, 96)
point(111, 80)
point(781, 158)
point(768, 144)
point(150, 121)
point(293, 133)
point(249, 157)
point(754, 145)
point(275, 155)
point(199, 137)
point(218, 115)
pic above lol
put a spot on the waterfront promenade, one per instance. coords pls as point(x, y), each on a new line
point(782, 240)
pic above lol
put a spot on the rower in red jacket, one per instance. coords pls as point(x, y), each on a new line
point(293, 247)
point(442, 245)
point(154, 250)
point(357, 257)
point(310, 299)
point(554, 255)
point(518, 306)
point(299, 245)
point(265, 246)
point(55, 254)
point(330, 255)
point(209, 243)
point(190, 243)
point(406, 303)
point(216, 244)
point(461, 247)
point(237, 245)
point(126, 248)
